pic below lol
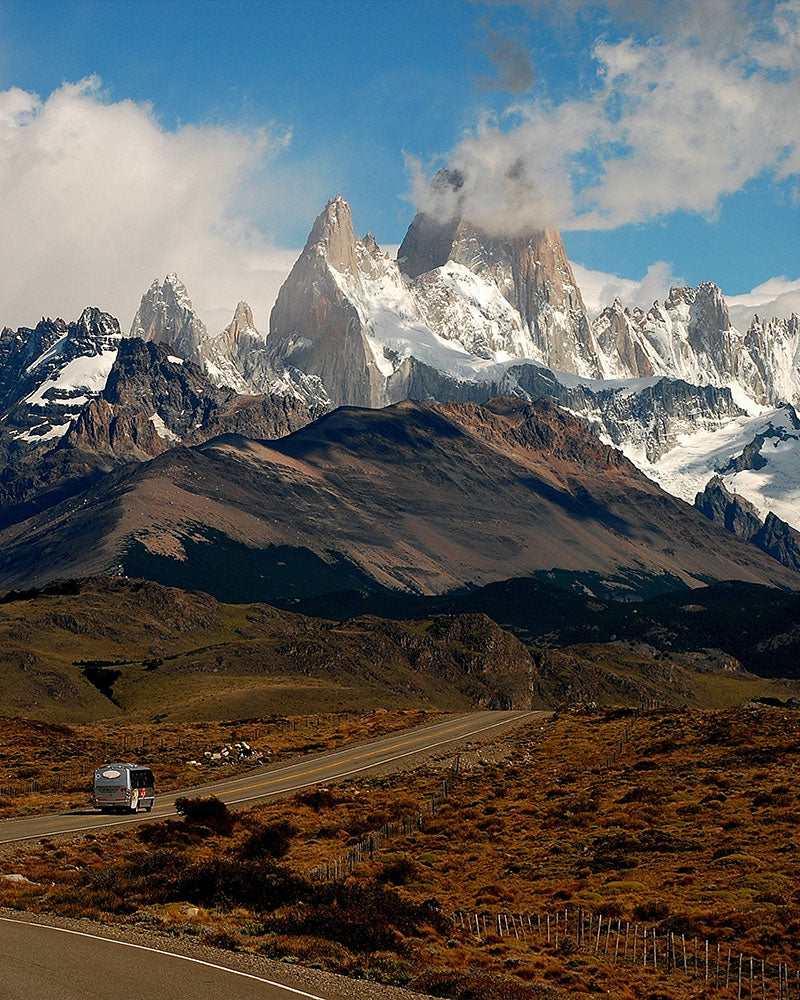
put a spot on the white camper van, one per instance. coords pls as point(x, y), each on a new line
point(124, 788)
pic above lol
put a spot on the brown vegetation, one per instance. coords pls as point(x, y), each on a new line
point(46, 767)
point(690, 830)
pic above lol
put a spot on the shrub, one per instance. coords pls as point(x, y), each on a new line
point(364, 918)
point(318, 798)
point(211, 812)
point(272, 840)
point(651, 912)
point(228, 883)
point(167, 833)
point(398, 870)
point(220, 939)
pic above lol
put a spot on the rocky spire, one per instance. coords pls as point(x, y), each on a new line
point(315, 325)
point(166, 315)
point(241, 323)
point(332, 236)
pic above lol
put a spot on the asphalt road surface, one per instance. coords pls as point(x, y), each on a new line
point(40, 962)
point(397, 751)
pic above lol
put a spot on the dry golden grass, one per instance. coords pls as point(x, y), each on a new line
point(55, 762)
point(692, 830)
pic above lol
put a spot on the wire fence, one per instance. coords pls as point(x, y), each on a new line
point(368, 846)
point(718, 965)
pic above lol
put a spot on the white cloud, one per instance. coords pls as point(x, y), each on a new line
point(98, 199)
point(672, 122)
point(778, 296)
point(599, 289)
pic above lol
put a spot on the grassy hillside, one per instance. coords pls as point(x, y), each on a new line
point(105, 647)
point(758, 627)
point(115, 648)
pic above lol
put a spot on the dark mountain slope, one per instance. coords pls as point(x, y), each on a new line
point(418, 497)
point(758, 626)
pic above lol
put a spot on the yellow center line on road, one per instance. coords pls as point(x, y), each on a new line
point(83, 828)
point(325, 767)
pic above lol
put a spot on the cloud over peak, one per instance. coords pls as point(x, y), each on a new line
point(673, 121)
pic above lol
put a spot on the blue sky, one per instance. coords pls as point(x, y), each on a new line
point(656, 131)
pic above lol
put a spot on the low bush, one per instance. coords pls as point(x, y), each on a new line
point(271, 840)
point(398, 869)
point(318, 799)
point(210, 812)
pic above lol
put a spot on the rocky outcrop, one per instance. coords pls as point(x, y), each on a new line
point(118, 432)
point(166, 316)
point(725, 508)
point(187, 406)
point(739, 516)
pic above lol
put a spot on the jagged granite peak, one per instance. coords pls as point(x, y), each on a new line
point(531, 271)
point(690, 335)
point(772, 535)
point(332, 235)
point(241, 323)
point(315, 325)
point(617, 337)
point(166, 315)
point(771, 359)
point(94, 327)
point(226, 356)
point(375, 337)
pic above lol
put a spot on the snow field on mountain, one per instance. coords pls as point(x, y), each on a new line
point(83, 374)
point(685, 470)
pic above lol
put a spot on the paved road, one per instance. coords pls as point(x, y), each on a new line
point(396, 751)
point(44, 962)
point(39, 962)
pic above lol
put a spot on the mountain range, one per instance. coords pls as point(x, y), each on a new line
point(144, 452)
point(417, 496)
